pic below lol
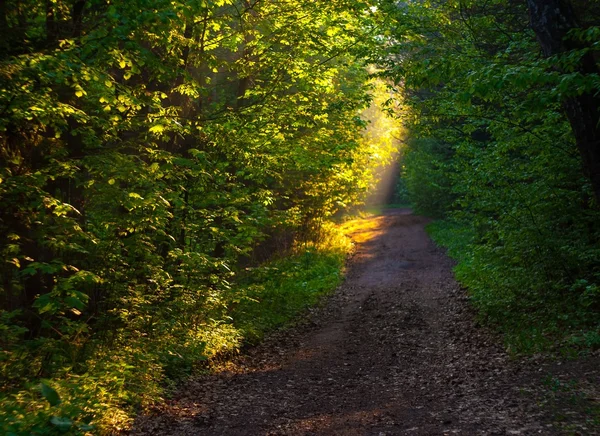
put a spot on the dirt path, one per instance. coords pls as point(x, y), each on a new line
point(394, 352)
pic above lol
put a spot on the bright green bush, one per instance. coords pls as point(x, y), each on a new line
point(152, 153)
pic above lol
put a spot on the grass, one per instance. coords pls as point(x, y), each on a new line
point(276, 293)
point(533, 316)
point(120, 381)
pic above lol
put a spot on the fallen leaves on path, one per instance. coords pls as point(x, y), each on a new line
point(396, 351)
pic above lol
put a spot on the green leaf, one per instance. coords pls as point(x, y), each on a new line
point(63, 424)
point(50, 395)
point(158, 128)
point(75, 302)
point(46, 303)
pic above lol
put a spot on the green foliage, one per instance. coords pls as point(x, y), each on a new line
point(493, 153)
point(153, 153)
point(426, 171)
point(531, 300)
point(274, 293)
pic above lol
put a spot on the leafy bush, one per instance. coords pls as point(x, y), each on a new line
point(426, 172)
point(494, 155)
point(155, 155)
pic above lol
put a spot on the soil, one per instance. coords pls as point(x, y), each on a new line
point(396, 350)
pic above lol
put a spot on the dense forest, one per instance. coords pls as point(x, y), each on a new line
point(171, 172)
point(505, 144)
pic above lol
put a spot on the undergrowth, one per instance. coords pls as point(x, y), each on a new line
point(275, 294)
point(533, 316)
point(133, 372)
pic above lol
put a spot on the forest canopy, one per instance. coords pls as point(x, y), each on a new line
point(168, 169)
point(170, 172)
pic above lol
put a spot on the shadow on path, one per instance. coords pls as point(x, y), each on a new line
point(394, 352)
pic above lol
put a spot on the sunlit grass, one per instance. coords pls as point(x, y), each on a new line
point(277, 292)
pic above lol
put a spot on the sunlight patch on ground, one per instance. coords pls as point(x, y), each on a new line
point(362, 230)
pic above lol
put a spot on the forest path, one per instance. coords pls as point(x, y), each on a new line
point(395, 351)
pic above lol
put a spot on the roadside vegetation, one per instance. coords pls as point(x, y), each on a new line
point(492, 154)
point(170, 172)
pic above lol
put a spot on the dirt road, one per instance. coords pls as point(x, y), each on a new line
point(395, 351)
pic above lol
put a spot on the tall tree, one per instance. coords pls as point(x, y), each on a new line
point(498, 136)
point(554, 22)
point(149, 151)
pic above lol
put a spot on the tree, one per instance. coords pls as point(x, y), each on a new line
point(150, 150)
point(496, 130)
point(555, 23)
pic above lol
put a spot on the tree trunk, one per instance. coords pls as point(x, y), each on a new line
point(552, 20)
point(51, 28)
point(3, 20)
point(77, 17)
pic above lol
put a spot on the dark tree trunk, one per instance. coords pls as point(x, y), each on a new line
point(3, 20)
point(77, 17)
point(51, 28)
point(552, 20)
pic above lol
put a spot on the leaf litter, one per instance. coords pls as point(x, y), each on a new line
point(397, 350)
